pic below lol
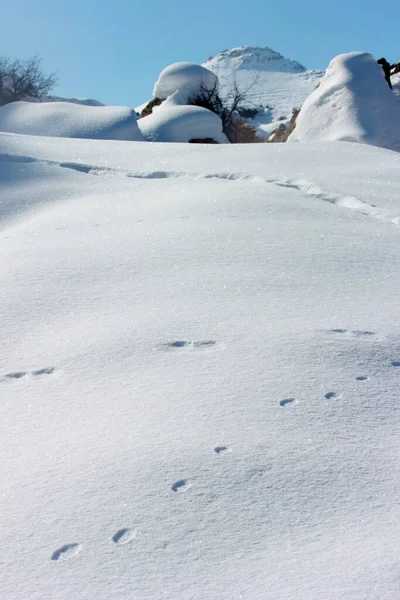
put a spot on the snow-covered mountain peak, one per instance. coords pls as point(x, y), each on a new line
point(253, 58)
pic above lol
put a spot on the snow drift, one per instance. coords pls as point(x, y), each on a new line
point(65, 119)
point(174, 123)
point(352, 103)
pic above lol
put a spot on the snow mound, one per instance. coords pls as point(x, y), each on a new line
point(173, 123)
point(352, 103)
point(183, 75)
point(65, 119)
point(253, 58)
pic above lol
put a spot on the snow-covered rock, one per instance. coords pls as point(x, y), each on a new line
point(174, 123)
point(65, 119)
point(352, 103)
point(175, 120)
point(183, 75)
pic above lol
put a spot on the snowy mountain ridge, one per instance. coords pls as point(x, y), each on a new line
point(254, 58)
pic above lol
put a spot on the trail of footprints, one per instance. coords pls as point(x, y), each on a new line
point(125, 535)
point(332, 395)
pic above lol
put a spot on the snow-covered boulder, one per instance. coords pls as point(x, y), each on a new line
point(65, 119)
point(352, 103)
point(183, 75)
point(172, 123)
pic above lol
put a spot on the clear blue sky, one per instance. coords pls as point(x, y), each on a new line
point(114, 51)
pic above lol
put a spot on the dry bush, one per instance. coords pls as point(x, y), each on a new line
point(23, 80)
point(281, 134)
point(243, 132)
point(228, 109)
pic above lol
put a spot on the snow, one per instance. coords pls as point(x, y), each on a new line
point(173, 123)
point(199, 371)
point(269, 79)
point(183, 75)
point(65, 119)
point(175, 120)
point(395, 80)
point(352, 103)
point(84, 101)
point(254, 58)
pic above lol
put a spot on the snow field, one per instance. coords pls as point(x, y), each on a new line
point(200, 370)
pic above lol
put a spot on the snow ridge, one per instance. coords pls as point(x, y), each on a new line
point(248, 57)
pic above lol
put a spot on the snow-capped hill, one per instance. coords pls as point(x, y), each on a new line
point(272, 83)
point(253, 58)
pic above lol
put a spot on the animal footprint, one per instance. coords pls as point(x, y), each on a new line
point(45, 371)
point(353, 332)
point(360, 333)
point(180, 486)
point(123, 536)
point(332, 396)
point(185, 345)
point(287, 401)
point(66, 552)
point(16, 375)
point(222, 449)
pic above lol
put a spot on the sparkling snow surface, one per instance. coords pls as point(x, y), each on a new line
point(200, 371)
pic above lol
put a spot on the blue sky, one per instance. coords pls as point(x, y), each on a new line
point(114, 51)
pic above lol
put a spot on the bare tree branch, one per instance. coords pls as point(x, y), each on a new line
point(23, 79)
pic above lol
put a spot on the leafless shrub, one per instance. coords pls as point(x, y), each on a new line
point(228, 109)
point(23, 79)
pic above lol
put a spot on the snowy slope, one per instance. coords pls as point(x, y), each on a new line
point(353, 103)
point(271, 80)
point(199, 371)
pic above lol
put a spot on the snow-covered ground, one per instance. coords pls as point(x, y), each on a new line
point(199, 371)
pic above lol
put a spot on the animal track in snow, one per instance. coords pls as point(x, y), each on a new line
point(308, 188)
point(16, 375)
point(222, 449)
point(66, 552)
point(20, 374)
point(123, 536)
point(287, 401)
point(332, 396)
point(191, 346)
point(354, 332)
point(45, 371)
point(180, 486)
